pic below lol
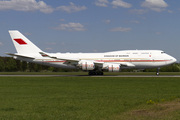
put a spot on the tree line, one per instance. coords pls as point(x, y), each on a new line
point(8, 64)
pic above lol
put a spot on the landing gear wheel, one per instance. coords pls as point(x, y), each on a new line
point(89, 73)
point(95, 73)
point(157, 73)
point(99, 73)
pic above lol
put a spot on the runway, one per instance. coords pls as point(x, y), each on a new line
point(147, 76)
point(90, 76)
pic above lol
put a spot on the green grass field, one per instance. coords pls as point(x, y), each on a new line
point(87, 98)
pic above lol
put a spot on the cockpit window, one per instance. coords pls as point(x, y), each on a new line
point(162, 52)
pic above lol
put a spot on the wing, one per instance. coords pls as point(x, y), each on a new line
point(72, 60)
point(66, 59)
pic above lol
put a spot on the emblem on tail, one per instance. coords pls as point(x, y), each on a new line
point(20, 41)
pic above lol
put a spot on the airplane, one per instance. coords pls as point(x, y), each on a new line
point(93, 63)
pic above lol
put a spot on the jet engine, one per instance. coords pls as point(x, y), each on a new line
point(112, 67)
point(87, 65)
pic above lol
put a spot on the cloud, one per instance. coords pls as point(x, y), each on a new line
point(71, 8)
point(48, 48)
point(50, 43)
point(120, 3)
point(101, 3)
point(144, 18)
point(61, 19)
point(106, 21)
point(25, 5)
point(71, 27)
point(120, 29)
point(27, 33)
point(32, 5)
point(158, 33)
point(136, 11)
point(135, 21)
point(158, 9)
point(1, 43)
point(115, 3)
point(155, 5)
point(170, 11)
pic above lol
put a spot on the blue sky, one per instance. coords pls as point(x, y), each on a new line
point(93, 25)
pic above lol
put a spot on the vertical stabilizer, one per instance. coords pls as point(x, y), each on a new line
point(22, 44)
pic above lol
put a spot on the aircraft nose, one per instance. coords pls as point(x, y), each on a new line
point(171, 60)
point(174, 60)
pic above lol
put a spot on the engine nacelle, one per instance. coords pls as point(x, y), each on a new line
point(112, 67)
point(87, 65)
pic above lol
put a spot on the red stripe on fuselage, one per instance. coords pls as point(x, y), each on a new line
point(20, 41)
point(132, 60)
point(120, 61)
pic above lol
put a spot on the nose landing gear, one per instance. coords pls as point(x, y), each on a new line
point(157, 72)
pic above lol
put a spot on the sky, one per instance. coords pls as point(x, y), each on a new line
point(92, 25)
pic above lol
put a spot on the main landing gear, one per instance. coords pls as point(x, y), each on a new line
point(95, 73)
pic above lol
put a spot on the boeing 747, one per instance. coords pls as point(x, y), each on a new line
point(93, 63)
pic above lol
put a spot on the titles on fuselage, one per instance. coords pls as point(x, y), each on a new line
point(116, 55)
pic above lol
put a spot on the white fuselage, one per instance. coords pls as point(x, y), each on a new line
point(138, 59)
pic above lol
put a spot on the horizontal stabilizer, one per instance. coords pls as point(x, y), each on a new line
point(31, 57)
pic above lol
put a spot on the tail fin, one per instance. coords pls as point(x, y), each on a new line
point(22, 44)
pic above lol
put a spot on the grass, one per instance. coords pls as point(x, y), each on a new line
point(87, 98)
point(162, 111)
